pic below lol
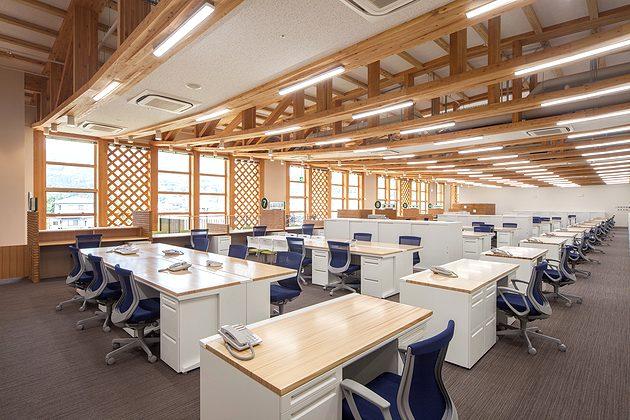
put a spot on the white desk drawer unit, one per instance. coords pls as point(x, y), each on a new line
point(220, 244)
point(377, 276)
point(318, 399)
point(320, 274)
point(505, 238)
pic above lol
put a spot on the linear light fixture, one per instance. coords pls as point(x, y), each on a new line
point(428, 128)
point(525, 167)
point(610, 143)
point(333, 141)
point(599, 132)
point(575, 57)
point(398, 157)
point(498, 157)
point(111, 86)
point(585, 96)
point(382, 110)
point(213, 115)
point(283, 130)
point(462, 140)
point(481, 150)
point(516, 162)
point(313, 80)
point(440, 166)
point(611, 168)
point(595, 117)
point(603, 164)
point(488, 7)
point(472, 173)
point(373, 149)
point(608, 158)
point(422, 162)
point(187, 27)
point(605, 152)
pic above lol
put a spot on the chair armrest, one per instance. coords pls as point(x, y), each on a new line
point(514, 281)
point(350, 388)
point(502, 290)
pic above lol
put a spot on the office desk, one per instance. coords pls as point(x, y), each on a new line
point(578, 230)
point(304, 357)
point(382, 264)
point(475, 243)
point(556, 223)
point(562, 234)
point(553, 244)
point(525, 258)
point(505, 236)
point(194, 303)
point(470, 300)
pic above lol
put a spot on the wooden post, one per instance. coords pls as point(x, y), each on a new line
point(195, 188)
point(338, 125)
point(324, 95)
point(84, 44)
point(39, 175)
point(374, 87)
point(494, 55)
point(517, 84)
point(457, 52)
point(410, 112)
point(101, 191)
point(298, 110)
point(130, 14)
point(435, 106)
point(154, 187)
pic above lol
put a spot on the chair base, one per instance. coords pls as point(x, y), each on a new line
point(76, 298)
point(121, 345)
point(566, 298)
point(342, 285)
point(525, 332)
point(99, 317)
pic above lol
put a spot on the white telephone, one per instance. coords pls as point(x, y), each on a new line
point(170, 252)
point(240, 338)
point(178, 266)
point(441, 271)
point(501, 252)
point(126, 249)
point(535, 240)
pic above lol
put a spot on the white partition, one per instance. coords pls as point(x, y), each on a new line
point(337, 228)
point(523, 221)
point(391, 230)
point(362, 226)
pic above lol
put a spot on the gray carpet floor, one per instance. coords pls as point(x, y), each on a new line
point(50, 370)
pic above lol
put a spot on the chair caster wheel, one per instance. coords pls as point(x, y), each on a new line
point(568, 304)
point(82, 309)
point(331, 293)
point(562, 347)
point(80, 327)
point(110, 361)
point(324, 287)
point(579, 301)
point(115, 346)
point(58, 308)
point(152, 358)
point(532, 351)
point(106, 328)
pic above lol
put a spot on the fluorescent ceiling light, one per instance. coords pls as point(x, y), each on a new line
point(472, 173)
point(525, 167)
point(188, 26)
point(398, 157)
point(602, 164)
point(422, 162)
point(112, 86)
point(482, 149)
point(498, 157)
point(333, 141)
point(608, 168)
point(440, 166)
point(596, 94)
point(428, 128)
point(213, 115)
point(382, 110)
point(438, 143)
point(595, 117)
point(608, 158)
point(374, 149)
point(516, 162)
point(610, 143)
point(574, 57)
point(599, 132)
point(488, 7)
point(283, 130)
point(605, 152)
point(313, 80)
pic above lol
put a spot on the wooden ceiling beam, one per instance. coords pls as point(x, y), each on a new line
point(44, 7)
point(25, 44)
point(20, 57)
point(28, 25)
point(534, 22)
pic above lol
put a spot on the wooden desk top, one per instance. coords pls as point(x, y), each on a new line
point(519, 252)
point(561, 234)
point(298, 348)
point(575, 229)
point(476, 234)
point(547, 240)
point(364, 248)
point(473, 275)
point(106, 239)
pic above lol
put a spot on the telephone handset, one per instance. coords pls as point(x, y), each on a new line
point(240, 338)
point(168, 252)
point(178, 266)
point(125, 249)
point(501, 252)
point(535, 240)
point(441, 271)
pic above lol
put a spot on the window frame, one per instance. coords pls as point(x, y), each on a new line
point(225, 194)
point(189, 193)
point(439, 195)
point(305, 197)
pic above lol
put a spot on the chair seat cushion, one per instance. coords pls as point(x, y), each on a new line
point(553, 274)
point(516, 301)
point(352, 268)
point(279, 293)
point(112, 291)
point(147, 310)
point(307, 261)
point(386, 385)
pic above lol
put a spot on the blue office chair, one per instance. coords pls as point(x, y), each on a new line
point(339, 264)
point(259, 230)
point(361, 236)
point(307, 229)
point(295, 244)
point(560, 274)
point(197, 237)
point(89, 241)
point(526, 306)
point(130, 311)
point(419, 393)
point(545, 219)
point(201, 244)
point(478, 223)
point(237, 251)
point(510, 225)
point(79, 278)
point(288, 289)
point(483, 228)
point(103, 292)
point(411, 240)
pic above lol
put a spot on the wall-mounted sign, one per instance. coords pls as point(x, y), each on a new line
point(276, 205)
point(377, 205)
point(405, 205)
point(264, 203)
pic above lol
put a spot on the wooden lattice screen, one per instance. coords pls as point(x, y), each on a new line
point(128, 183)
point(320, 194)
point(454, 195)
point(245, 193)
point(405, 193)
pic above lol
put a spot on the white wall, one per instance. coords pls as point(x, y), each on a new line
point(275, 182)
point(13, 159)
point(589, 198)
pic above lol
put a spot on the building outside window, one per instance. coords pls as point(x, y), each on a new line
point(212, 190)
point(173, 191)
point(297, 195)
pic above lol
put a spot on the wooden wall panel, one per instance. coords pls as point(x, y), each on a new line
point(475, 208)
point(14, 262)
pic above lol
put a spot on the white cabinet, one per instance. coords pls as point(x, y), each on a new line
point(378, 277)
point(320, 274)
point(220, 244)
point(475, 244)
point(505, 238)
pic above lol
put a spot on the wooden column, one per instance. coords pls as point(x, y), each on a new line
point(195, 188)
point(324, 95)
point(457, 52)
point(54, 84)
point(248, 119)
point(298, 110)
point(517, 84)
point(101, 192)
point(409, 113)
point(84, 44)
point(154, 187)
point(494, 56)
point(337, 125)
point(130, 14)
point(435, 106)
point(374, 87)
point(39, 175)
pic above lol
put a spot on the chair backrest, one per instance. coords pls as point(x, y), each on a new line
point(196, 235)
point(128, 301)
point(100, 281)
point(292, 260)
point(89, 240)
point(363, 236)
point(534, 289)
point(307, 228)
point(483, 228)
point(422, 394)
point(545, 219)
point(536, 219)
point(338, 256)
point(510, 225)
point(478, 223)
point(295, 244)
point(77, 265)
point(259, 230)
point(237, 251)
point(411, 240)
point(201, 244)
point(556, 218)
point(565, 266)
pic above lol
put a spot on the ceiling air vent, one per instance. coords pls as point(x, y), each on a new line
point(550, 131)
point(376, 7)
point(163, 102)
point(100, 128)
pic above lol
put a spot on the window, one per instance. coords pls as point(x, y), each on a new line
point(387, 191)
point(439, 196)
point(70, 184)
point(297, 195)
point(414, 194)
point(424, 197)
point(355, 191)
point(212, 189)
point(337, 193)
point(173, 191)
